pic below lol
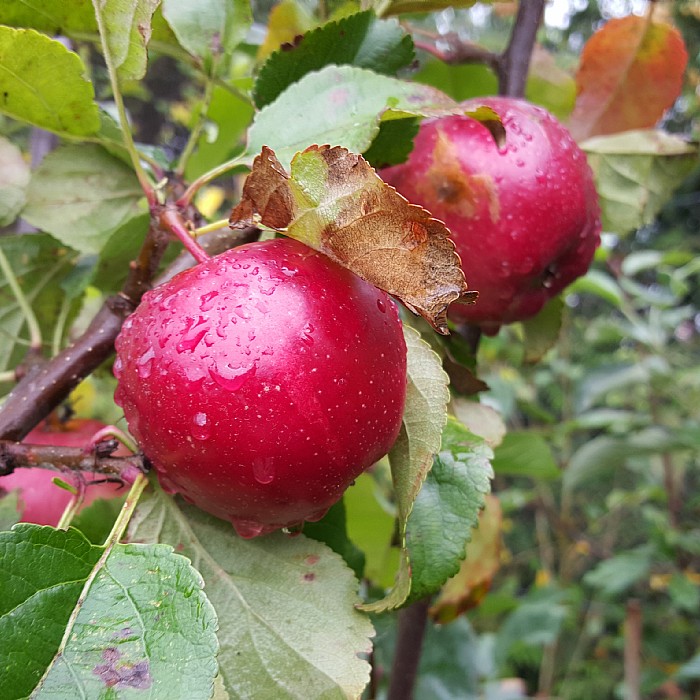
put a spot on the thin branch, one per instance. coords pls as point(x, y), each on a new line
point(413, 621)
point(514, 63)
point(633, 649)
point(19, 455)
point(459, 51)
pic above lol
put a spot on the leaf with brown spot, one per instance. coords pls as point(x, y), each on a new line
point(334, 202)
point(631, 72)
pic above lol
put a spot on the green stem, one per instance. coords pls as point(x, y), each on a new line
point(59, 328)
point(129, 144)
point(199, 124)
point(35, 339)
point(202, 180)
point(213, 226)
point(72, 509)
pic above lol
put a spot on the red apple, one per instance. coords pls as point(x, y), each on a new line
point(40, 500)
point(262, 382)
point(524, 218)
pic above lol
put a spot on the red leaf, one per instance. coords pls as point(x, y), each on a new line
point(631, 72)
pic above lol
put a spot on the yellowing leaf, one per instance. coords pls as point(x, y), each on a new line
point(468, 588)
point(631, 72)
point(287, 20)
point(334, 202)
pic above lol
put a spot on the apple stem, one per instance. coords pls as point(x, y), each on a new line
point(172, 220)
point(111, 431)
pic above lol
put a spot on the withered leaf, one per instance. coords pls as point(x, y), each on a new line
point(334, 202)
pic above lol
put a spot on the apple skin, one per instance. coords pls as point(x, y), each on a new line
point(262, 382)
point(40, 500)
point(525, 218)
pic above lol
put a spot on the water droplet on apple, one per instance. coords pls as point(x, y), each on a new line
point(306, 332)
point(315, 517)
point(145, 363)
point(118, 367)
point(263, 470)
point(207, 301)
point(230, 378)
point(381, 305)
point(190, 343)
point(201, 428)
point(247, 529)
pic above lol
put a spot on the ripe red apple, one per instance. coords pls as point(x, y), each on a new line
point(262, 382)
point(524, 218)
point(40, 500)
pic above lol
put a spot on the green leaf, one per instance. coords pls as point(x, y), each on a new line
point(419, 441)
point(332, 530)
point(525, 454)
point(14, 178)
point(460, 82)
point(288, 627)
point(603, 456)
point(597, 383)
point(533, 623)
point(397, 7)
point(96, 521)
point(615, 575)
point(127, 30)
point(372, 528)
point(601, 285)
point(120, 248)
point(42, 573)
point(636, 172)
point(542, 331)
point(41, 82)
point(209, 29)
point(54, 17)
point(40, 265)
point(9, 509)
point(689, 670)
point(227, 119)
point(80, 194)
point(684, 593)
point(393, 143)
point(340, 106)
point(447, 508)
point(142, 623)
point(550, 86)
point(360, 40)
